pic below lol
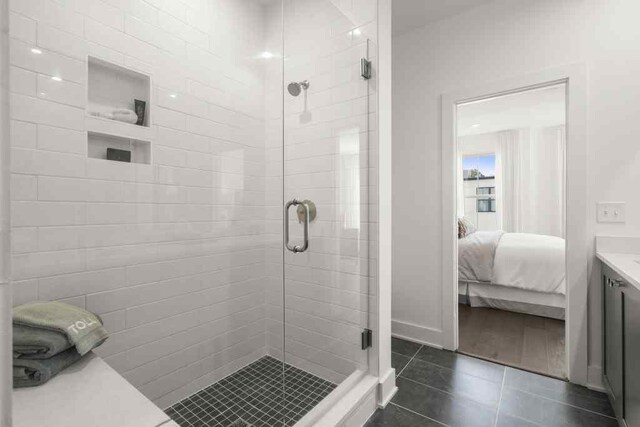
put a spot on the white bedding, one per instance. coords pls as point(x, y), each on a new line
point(525, 261)
point(476, 254)
point(530, 261)
point(512, 299)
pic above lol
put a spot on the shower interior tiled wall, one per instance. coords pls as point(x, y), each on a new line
point(181, 257)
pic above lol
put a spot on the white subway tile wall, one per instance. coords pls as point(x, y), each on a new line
point(182, 257)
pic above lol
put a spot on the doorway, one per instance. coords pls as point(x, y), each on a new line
point(511, 241)
point(573, 305)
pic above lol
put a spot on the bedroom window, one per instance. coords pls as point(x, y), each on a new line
point(478, 188)
point(481, 191)
point(486, 205)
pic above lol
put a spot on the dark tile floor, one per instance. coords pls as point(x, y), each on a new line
point(442, 388)
point(253, 395)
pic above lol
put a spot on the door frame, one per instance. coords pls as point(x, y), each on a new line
point(574, 77)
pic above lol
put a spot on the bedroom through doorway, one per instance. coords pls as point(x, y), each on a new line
point(511, 211)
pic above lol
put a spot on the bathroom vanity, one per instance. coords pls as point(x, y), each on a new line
point(621, 328)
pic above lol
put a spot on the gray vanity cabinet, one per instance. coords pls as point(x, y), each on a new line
point(632, 356)
point(622, 347)
point(613, 341)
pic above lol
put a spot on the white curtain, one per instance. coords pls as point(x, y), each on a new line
point(509, 179)
point(530, 183)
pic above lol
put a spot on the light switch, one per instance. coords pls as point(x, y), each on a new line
point(611, 212)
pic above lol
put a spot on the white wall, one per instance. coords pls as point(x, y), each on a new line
point(171, 254)
point(502, 39)
point(482, 143)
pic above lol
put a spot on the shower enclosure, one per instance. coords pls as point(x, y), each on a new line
point(232, 255)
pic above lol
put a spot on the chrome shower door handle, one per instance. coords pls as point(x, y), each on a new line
point(286, 225)
point(296, 249)
point(305, 244)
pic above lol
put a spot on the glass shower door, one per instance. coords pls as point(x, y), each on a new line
point(326, 193)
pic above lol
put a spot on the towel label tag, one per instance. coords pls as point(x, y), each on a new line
point(80, 325)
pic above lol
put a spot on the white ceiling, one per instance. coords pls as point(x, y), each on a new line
point(410, 14)
point(534, 108)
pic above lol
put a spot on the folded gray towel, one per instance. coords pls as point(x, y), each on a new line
point(34, 372)
point(83, 329)
point(37, 343)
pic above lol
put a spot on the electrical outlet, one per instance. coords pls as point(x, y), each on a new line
point(611, 212)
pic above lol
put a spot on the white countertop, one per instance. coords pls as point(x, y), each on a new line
point(89, 393)
point(622, 255)
point(626, 265)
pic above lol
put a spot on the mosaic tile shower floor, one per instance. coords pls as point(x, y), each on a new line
point(253, 395)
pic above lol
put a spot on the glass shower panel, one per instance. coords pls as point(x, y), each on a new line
point(326, 195)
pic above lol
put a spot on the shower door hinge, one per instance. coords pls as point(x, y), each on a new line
point(367, 339)
point(365, 68)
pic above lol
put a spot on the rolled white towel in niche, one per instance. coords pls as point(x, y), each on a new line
point(113, 113)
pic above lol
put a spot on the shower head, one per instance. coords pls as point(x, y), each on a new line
point(295, 88)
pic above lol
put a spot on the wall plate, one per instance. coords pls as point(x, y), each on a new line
point(611, 212)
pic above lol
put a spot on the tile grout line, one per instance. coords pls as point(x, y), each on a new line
point(419, 414)
point(262, 369)
point(410, 360)
point(468, 373)
point(196, 392)
point(447, 392)
point(526, 420)
point(450, 393)
point(506, 365)
point(193, 413)
point(562, 403)
point(503, 388)
point(504, 378)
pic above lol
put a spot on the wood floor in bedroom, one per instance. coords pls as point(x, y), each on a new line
point(520, 340)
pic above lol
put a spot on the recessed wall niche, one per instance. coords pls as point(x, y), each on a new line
point(99, 144)
point(113, 91)
point(117, 129)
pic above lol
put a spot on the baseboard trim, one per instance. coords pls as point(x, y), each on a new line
point(594, 378)
point(416, 333)
point(387, 388)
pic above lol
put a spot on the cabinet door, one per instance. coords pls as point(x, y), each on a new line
point(632, 355)
point(613, 334)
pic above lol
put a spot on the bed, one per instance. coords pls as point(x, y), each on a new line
point(513, 271)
